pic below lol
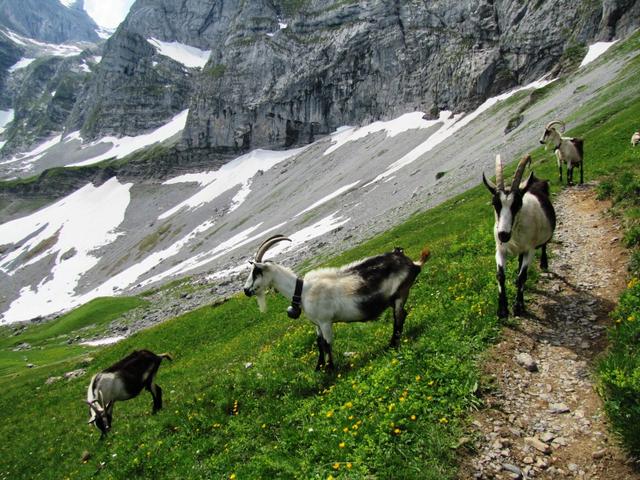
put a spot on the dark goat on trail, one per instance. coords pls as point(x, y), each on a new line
point(357, 292)
point(122, 381)
point(524, 220)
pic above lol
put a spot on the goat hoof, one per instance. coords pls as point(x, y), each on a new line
point(518, 310)
point(503, 313)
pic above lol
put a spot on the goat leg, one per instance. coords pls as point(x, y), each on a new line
point(399, 315)
point(544, 262)
point(503, 311)
point(320, 341)
point(156, 393)
point(525, 259)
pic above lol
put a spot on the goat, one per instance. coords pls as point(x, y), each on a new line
point(568, 150)
point(635, 138)
point(357, 292)
point(122, 381)
point(524, 220)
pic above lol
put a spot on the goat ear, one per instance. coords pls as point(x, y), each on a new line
point(490, 186)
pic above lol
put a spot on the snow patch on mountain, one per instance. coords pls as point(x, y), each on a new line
point(124, 146)
point(188, 56)
point(236, 172)
point(595, 51)
point(61, 50)
point(331, 196)
point(393, 127)
point(24, 62)
point(70, 230)
point(450, 125)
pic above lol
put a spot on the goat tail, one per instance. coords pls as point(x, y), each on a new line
point(168, 356)
point(424, 256)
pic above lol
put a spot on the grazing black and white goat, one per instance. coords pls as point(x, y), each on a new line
point(357, 292)
point(568, 150)
point(635, 138)
point(524, 220)
point(122, 381)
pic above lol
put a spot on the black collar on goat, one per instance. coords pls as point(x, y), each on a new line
point(524, 220)
point(122, 381)
point(357, 292)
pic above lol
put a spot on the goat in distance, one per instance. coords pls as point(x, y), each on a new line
point(122, 381)
point(569, 150)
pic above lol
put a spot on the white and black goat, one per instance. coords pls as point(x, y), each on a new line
point(524, 220)
point(635, 138)
point(357, 292)
point(568, 150)
point(122, 381)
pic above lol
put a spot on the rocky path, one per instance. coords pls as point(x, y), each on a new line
point(544, 418)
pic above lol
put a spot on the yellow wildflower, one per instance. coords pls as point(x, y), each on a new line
point(330, 414)
point(349, 465)
point(342, 444)
point(336, 466)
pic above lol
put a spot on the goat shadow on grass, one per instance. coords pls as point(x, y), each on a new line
point(560, 312)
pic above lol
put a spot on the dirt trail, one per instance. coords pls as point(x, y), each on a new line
point(550, 423)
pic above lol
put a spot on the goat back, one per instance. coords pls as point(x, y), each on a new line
point(578, 143)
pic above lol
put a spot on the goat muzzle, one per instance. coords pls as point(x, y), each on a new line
point(504, 237)
point(248, 292)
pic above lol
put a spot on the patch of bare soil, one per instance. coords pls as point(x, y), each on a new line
point(544, 418)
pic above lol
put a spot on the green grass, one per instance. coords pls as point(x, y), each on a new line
point(49, 340)
point(384, 414)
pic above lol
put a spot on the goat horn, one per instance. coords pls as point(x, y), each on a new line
point(561, 123)
point(519, 171)
point(499, 174)
point(268, 243)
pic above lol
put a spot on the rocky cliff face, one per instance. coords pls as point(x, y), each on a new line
point(44, 93)
point(48, 20)
point(282, 72)
point(10, 53)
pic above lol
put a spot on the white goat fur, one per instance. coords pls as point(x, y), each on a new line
point(635, 138)
point(530, 229)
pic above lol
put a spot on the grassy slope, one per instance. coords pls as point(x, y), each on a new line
point(386, 413)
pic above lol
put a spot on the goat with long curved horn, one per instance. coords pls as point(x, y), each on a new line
point(556, 122)
point(256, 286)
point(267, 244)
point(357, 292)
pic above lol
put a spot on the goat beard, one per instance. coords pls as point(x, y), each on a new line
point(262, 301)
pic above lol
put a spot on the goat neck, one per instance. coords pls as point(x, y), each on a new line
point(284, 279)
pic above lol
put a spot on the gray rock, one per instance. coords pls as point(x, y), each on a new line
point(21, 347)
point(73, 374)
point(527, 362)
point(52, 380)
point(559, 408)
point(538, 444)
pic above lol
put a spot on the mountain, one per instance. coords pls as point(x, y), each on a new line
point(282, 73)
point(48, 20)
point(145, 159)
point(143, 219)
point(276, 74)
